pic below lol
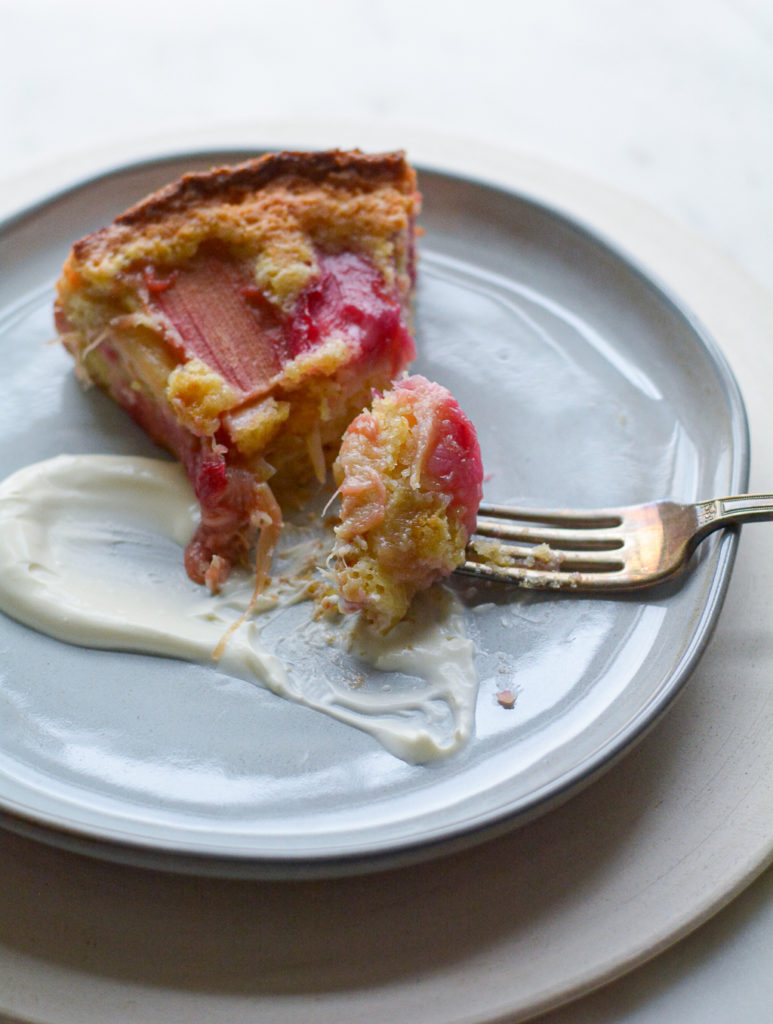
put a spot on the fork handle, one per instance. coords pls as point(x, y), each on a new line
point(741, 508)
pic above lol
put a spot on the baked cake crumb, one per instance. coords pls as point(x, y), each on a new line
point(242, 316)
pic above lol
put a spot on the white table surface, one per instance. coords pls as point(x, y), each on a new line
point(668, 102)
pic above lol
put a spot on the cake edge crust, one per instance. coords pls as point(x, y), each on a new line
point(234, 182)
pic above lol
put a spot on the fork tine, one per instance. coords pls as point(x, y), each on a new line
point(554, 559)
point(560, 528)
point(583, 538)
point(555, 548)
point(570, 518)
point(544, 579)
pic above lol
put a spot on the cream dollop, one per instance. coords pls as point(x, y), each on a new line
point(90, 554)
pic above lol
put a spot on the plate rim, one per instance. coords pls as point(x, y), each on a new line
point(178, 857)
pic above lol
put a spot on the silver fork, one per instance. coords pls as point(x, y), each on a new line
point(605, 549)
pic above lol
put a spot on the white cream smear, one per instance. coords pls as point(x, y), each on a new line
point(90, 554)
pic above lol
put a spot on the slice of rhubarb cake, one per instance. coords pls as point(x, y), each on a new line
point(242, 316)
point(410, 478)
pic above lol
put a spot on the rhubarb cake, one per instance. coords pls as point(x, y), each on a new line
point(242, 316)
point(410, 478)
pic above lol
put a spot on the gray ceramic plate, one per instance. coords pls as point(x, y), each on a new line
point(589, 386)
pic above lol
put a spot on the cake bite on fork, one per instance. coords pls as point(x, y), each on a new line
point(410, 477)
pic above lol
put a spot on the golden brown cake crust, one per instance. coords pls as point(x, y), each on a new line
point(349, 171)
